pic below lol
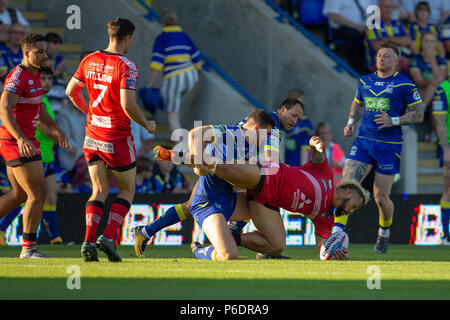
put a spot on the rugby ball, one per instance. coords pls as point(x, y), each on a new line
point(338, 240)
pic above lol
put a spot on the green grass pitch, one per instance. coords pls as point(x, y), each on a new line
point(406, 272)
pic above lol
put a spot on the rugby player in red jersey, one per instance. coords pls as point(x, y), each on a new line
point(110, 79)
point(308, 189)
point(20, 110)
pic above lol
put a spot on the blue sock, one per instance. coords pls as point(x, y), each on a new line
point(207, 253)
point(445, 217)
point(237, 226)
point(6, 221)
point(50, 221)
point(169, 218)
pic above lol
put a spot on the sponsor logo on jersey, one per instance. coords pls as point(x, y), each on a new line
point(97, 145)
point(373, 103)
point(102, 122)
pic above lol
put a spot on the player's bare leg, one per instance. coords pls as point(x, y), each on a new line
point(30, 177)
point(357, 170)
point(216, 229)
point(381, 191)
point(100, 178)
point(14, 198)
point(445, 203)
point(271, 235)
point(51, 198)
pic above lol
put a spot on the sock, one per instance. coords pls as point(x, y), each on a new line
point(94, 212)
point(6, 221)
point(29, 241)
point(445, 217)
point(237, 226)
point(384, 227)
point(173, 215)
point(207, 253)
point(50, 221)
point(117, 213)
point(340, 223)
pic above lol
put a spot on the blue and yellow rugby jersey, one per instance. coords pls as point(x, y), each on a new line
point(174, 52)
point(441, 101)
point(392, 95)
point(298, 138)
point(387, 30)
point(273, 141)
point(229, 145)
point(418, 63)
point(416, 31)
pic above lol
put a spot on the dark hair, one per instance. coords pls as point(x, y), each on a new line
point(289, 103)
point(261, 117)
point(143, 164)
point(422, 5)
point(28, 41)
point(119, 28)
point(387, 45)
point(46, 70)
point(53, 37)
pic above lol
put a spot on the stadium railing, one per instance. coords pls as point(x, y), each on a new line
point(208, 64)
point(283, 16)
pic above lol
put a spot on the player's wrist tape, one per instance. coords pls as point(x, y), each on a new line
point(350, 121)
point(395, 121)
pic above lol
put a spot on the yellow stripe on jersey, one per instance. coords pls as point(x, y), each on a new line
point(357, 101)
point(445, 204)
point(393, 142)
point(411, 104)
point(170, 75)
point(177, 58)
point(440, 112)
point(157, 66)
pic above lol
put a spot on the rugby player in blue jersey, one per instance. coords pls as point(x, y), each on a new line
point(214, 201)
point(384, 101)
point(285, 117)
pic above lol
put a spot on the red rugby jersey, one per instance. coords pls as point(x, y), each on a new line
point(307, 189)
point(28, 108)
point(104, 74)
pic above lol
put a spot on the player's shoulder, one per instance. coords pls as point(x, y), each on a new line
point(401, 80)
point(367, 78)
point(128, 63)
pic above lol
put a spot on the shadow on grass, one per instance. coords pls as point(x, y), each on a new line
point(207, 289)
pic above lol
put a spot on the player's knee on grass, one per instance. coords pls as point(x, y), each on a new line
point(227, 254)
point(277, 248)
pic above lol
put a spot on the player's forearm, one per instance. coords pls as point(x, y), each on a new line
point(415, 116)
point(10, 124)
point(47, 121)
point(441, 130)
point(318, 157)
point(197, 144)
point(45, 130)
point(154, 74)
point(355, 112)
point(79, 102)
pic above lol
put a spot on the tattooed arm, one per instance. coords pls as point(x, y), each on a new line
point(414, 116)
point(354, 116)
point(441, 131)
point(318, 153)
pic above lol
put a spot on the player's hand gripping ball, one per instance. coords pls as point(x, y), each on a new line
point(338, 240)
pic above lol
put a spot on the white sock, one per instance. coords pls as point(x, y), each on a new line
point(384, 232)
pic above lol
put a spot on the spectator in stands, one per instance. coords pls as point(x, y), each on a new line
point(55, 61)
point(416, 29)
point(297, 139)
point(391, 31)
point(178, 59)
point(335, 154)
point(10, 51)
point(143, 140)
point(9, 16)
point(445, 34)
point(428, 70)
point(439, 10)
point(144, 174)
point(347, 19)
point(167, 179)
